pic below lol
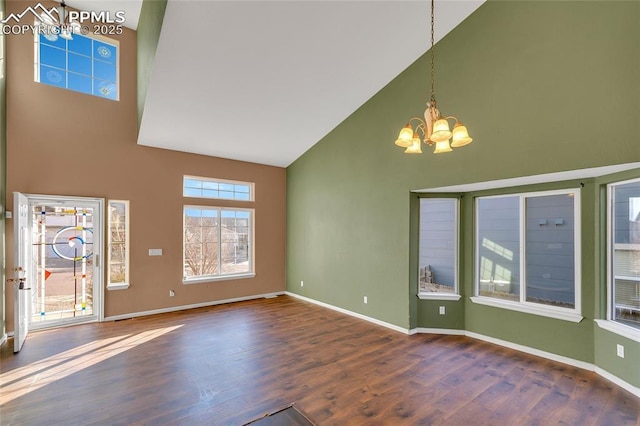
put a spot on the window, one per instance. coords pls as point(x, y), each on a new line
point(527, 253)
point(624, 253)
point(215, 188)
point(438, 249)
point(118, 245)
point(83, 64)
point(218, 243)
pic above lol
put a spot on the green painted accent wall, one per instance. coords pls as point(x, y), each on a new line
point(3, 172)
point(540, 86)
point(149, 27)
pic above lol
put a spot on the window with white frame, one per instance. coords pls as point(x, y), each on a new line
point(528, 252)
point(118, 245)
point(438, 248)
point(218, 243)
point(624, 253)
point(200, 187)
point(81, 63)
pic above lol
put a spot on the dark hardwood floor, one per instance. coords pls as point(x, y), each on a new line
point(230, 364)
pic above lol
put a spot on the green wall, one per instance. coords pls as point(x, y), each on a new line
point(542, 87)
point(148, 34)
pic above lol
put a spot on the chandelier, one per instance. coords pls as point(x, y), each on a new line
point(434, 129)
point(52, 27)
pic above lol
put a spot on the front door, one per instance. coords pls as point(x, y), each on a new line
point(64, 260)
point(21, 290)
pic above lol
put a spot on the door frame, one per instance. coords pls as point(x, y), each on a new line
point(98, 241)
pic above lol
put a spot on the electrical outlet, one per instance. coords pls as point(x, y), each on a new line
point(365, 300)
point(172, 293)
point(301, 283)
point(442, 310)
point(620, 351)
point(155, 252)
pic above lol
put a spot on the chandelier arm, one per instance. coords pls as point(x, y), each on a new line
point(451, 117)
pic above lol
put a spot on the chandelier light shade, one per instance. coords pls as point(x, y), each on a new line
point(434, 128)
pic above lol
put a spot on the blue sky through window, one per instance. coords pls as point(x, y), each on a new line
point(83, 65)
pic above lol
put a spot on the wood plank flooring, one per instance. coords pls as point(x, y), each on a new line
point(230, 364)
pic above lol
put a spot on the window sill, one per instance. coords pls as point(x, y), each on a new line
point(439, 296)
point(528, 308)
point(201, 280)
point(620, 329)
point(119, 286)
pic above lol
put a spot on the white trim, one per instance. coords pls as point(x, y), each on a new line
point(537, 352)
point(439, 296)
point(529, 308)
point(619, 329)
point(567, 314)
point(535, 179)
point(3, 339)
point(209, 279)
point(532, 351)
point(447, 331)
point(195, 305)
point(119, 286)
point(351, 313)
point(98, 237)
point(617, 381)
point(515, 346)
point(456, 249)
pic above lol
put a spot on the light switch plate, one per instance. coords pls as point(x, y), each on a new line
point(155, 252)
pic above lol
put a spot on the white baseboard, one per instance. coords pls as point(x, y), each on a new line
point(618, 381)
point(537, 352)
point(448, 331)
point(515, 346)
point(3, 339)
point(195, 305)
point(532, 351)
point(347, 312)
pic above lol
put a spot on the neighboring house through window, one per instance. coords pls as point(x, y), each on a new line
point(624, 253)
point(528, 253)
point(118, 245)
point(438, 249)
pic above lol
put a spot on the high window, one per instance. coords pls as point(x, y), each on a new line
point(118, 245)
point(528, 253)
point(624, 253)
point(218, 243)
point(216, 188)
point(438, 250)
point(83, 64)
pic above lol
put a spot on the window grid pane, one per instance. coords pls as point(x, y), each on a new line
point(550, 275)
point(499, 247)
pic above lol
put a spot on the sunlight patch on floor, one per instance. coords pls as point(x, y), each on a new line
point(23, 380)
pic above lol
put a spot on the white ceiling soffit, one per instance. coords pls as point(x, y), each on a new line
point(263, 81)
point(534, 179)
point(131, 8)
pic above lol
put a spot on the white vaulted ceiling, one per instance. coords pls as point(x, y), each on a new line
point(263, 81)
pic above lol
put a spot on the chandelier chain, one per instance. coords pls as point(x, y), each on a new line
point(433, 96)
